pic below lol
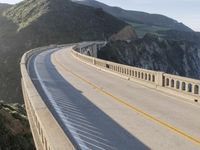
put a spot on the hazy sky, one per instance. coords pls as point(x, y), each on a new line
point(186, 11)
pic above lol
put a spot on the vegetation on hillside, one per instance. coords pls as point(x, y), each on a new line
point(15, 133)
point(4, 7)
point(35, 23)
point(145, 22)
point(181, 36)
point(155, 53)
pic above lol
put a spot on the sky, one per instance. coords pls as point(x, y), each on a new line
point(185, 11)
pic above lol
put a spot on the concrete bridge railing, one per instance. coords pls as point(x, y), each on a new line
point(47, 133)
point(172, 84)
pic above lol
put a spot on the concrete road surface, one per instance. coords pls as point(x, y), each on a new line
point(98, 110)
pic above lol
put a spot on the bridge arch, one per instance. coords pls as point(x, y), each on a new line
point(172, 82)
point(167, 82)
point(177, 84)
point(149, 77)
point(189, 87)
point(138, 74)
point(196, 89)
point(145, 76)
point(183, 86)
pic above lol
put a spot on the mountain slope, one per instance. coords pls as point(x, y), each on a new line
point(181, 36)
point(154, 53)
point(138, 18)
point(34, 23)
point(4, 7)
point(126, 34)
point(14, 128)
point(65, 17)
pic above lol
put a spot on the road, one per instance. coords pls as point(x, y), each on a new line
point(98, 110)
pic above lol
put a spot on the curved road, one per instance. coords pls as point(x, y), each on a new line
point(98, 110)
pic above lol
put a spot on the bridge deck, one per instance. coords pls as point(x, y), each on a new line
point(103, 111)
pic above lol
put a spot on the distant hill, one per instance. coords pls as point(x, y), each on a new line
point(181, 36)
point(143, 22)
point(34, 23)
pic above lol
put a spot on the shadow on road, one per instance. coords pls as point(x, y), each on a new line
point(85, 124)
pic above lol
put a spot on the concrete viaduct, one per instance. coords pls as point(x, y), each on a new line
point(76, 101)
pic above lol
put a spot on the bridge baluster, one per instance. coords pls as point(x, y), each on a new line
point(155, 78)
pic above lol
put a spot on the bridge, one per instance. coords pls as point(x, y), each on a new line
point(76, 101)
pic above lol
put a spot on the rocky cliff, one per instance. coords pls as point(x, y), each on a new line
point(154, 53)
point(126, 34)
point(15, 133)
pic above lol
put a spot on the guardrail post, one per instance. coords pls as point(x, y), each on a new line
point(159, 79)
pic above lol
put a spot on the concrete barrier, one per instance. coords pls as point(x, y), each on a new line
point(180, 86)
point(47, 133)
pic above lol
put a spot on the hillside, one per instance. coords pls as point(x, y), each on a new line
point(14, 128)
point(126, 34)
point(34, 23)
point(143, 22)
point(154, 53)
point(181, 35)
point(4, 7)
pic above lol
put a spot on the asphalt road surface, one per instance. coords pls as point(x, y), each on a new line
point(98, 110)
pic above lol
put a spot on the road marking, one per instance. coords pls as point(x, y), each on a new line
point(174, 97)
point(132, 107)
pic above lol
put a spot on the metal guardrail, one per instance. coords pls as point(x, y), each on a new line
point(47, 133)
point(172, 84)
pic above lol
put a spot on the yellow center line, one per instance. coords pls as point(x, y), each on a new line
point(132, 107)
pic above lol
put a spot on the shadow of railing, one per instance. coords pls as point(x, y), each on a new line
point(86, 125)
